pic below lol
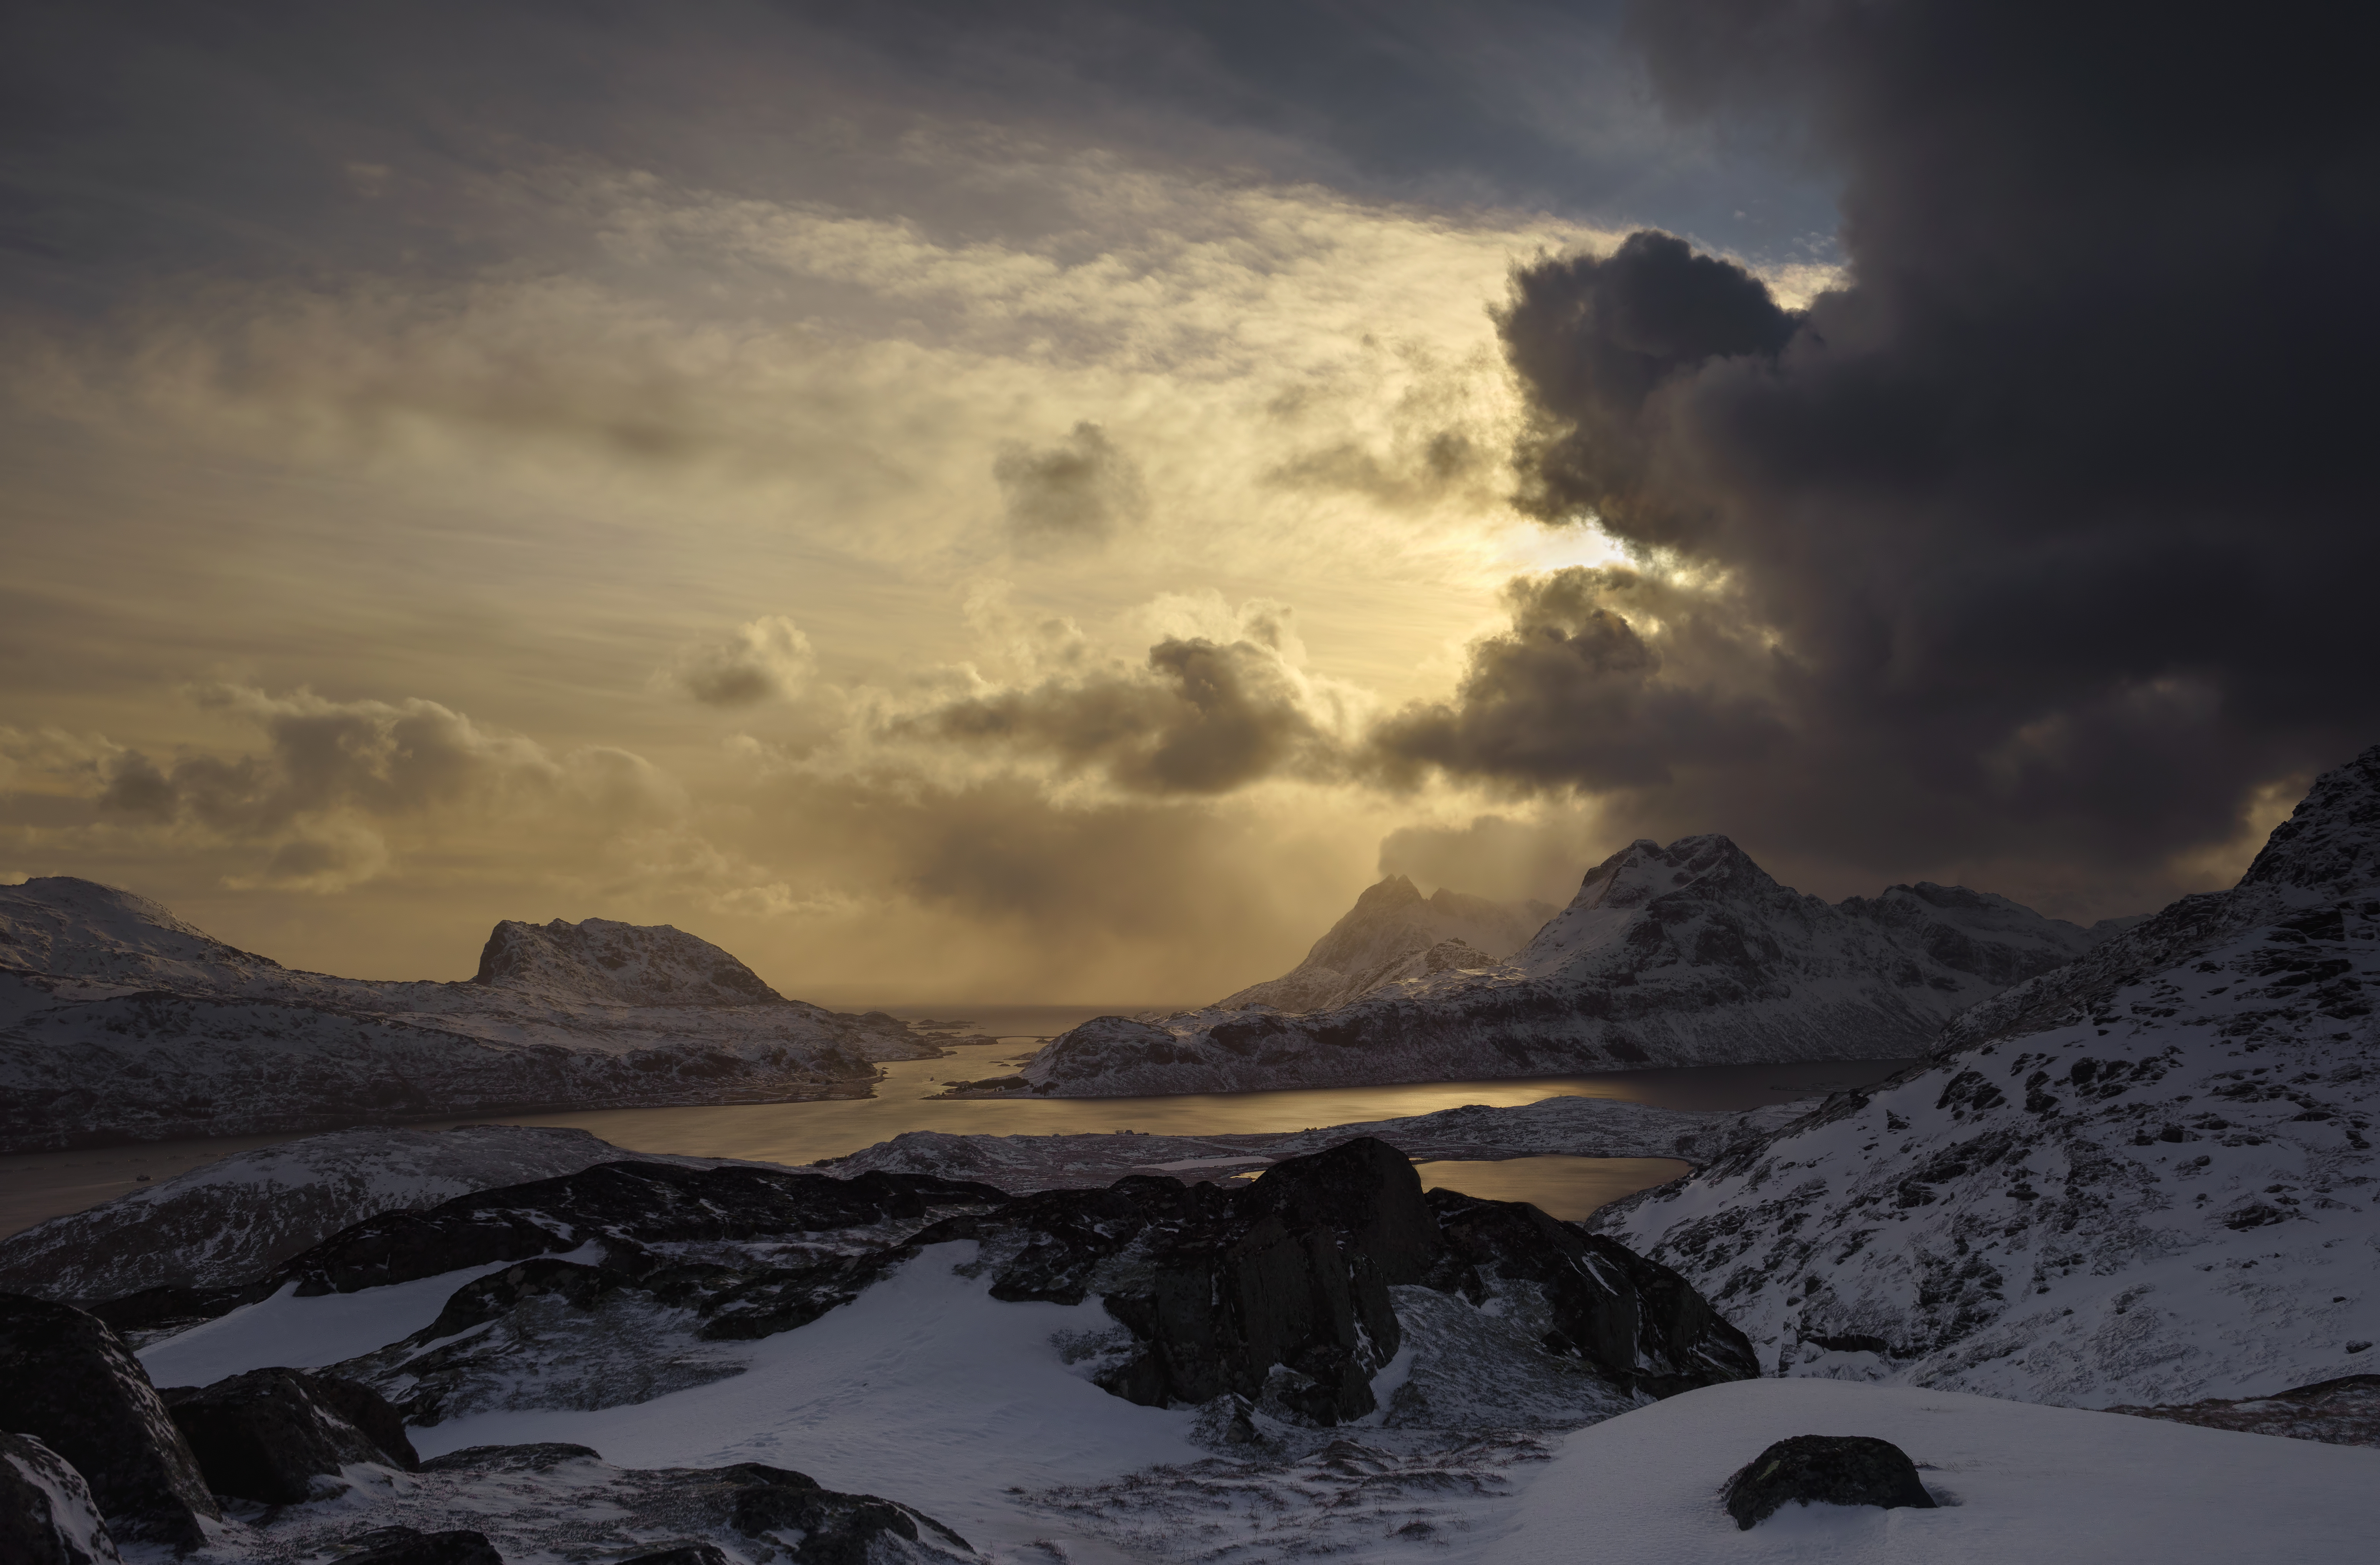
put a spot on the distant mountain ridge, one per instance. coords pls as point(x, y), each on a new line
point(1394, 932)
point(119, 1021)
point(1688, 954)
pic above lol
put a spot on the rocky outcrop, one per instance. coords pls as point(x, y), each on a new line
point(1392, 933)
point(281, 1436)
point(1280, 1293)
point(2343, 1411)
point(47, 1516)
point(622, 963)
point(1824, 1470)
point(219, 1226)
point(124, 1024)
point(2146, 1178)
point(409, 1546)
point(74, 1386)
point(1687, 954)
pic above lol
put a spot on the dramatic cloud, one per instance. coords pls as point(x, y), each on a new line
point(2055, 511)
point(336, 775)
point(1201, 716)
point(768, 659)
point(1078, 492)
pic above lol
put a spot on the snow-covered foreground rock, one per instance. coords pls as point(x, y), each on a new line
point(223, 1224)
point(2014, 1483)
point(2146, 1178)
point(120, 1022)
point(1687, 954)
point(1393, 933)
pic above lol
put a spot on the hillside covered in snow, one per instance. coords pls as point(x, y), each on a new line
point(120, 1022)
point(2144, 1178)
point(1393, 933)
point(1688, 954)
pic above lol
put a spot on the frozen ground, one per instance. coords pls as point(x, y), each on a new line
point(2019, 1484)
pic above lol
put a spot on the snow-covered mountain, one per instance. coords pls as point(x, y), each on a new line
point(2143, 1178)
point(119, 1022)
point(1394, 932)
point(1688, 954)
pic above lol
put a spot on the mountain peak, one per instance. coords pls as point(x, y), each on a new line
point(2331, 841)
point(601, 959)
point(62, 925)
point(1645, 869)
point(1391, 892)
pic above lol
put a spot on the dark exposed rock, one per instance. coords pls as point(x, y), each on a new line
point(47, 1516)
point(624, 1206)
point(1277, 1292)
point(1824, 1469)
point(2340, 1411)
point(685, 1554)
point(73, 1386)
point(535, 1457)
point(837, 1529)
point(1637, 1321)
point(406, 1546)
point(273, 1435)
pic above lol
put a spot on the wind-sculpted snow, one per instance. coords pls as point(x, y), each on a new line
point(1574, 1127)
point(224, 1223)
point(118, 1023)
point(1393, 933)
point(1684, 955)
point(2144, 1178)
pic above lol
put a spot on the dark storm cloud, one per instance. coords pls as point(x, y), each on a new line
point(1202, 717)
point(1076, 491)
point(1574, 696)
point(2058, 510)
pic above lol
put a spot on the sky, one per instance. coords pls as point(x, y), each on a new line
point(1047, 501)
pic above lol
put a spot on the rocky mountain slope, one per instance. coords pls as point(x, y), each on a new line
point(120, 1022)
point(2144, 1178)
point(1394, 932)
point(222, 1224)
point(1688, 954)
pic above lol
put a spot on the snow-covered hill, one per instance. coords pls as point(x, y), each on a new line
point(1688, 954)
point(2143, 1178)
point(120, 1022)
point(1394, 932)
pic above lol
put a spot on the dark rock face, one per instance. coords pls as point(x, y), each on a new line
point(405, 1545)
point(1639, 1322)
point(74, 1386)
point(624, 1206)
point(47, 1516)
point(837, 1529)
point(1825, 1469)
point(1279, 1290)
point(626, 964)
point(688, 1554)
point(2344, 1411)
point(273, 1435)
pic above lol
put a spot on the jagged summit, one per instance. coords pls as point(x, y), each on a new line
point(1394, 932)
point(2331, 841)
point(72, 928)
point(1683, 954)
point(601, 959)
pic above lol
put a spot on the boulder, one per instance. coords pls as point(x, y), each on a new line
point(407, 1546)
point(836, 1529)
point(75, 1387)
point(47, 1516)
point(1825, 1469)
point(281, 1436)
point(1366, 1193)
point(1637, 1321)
point(683, 1554)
